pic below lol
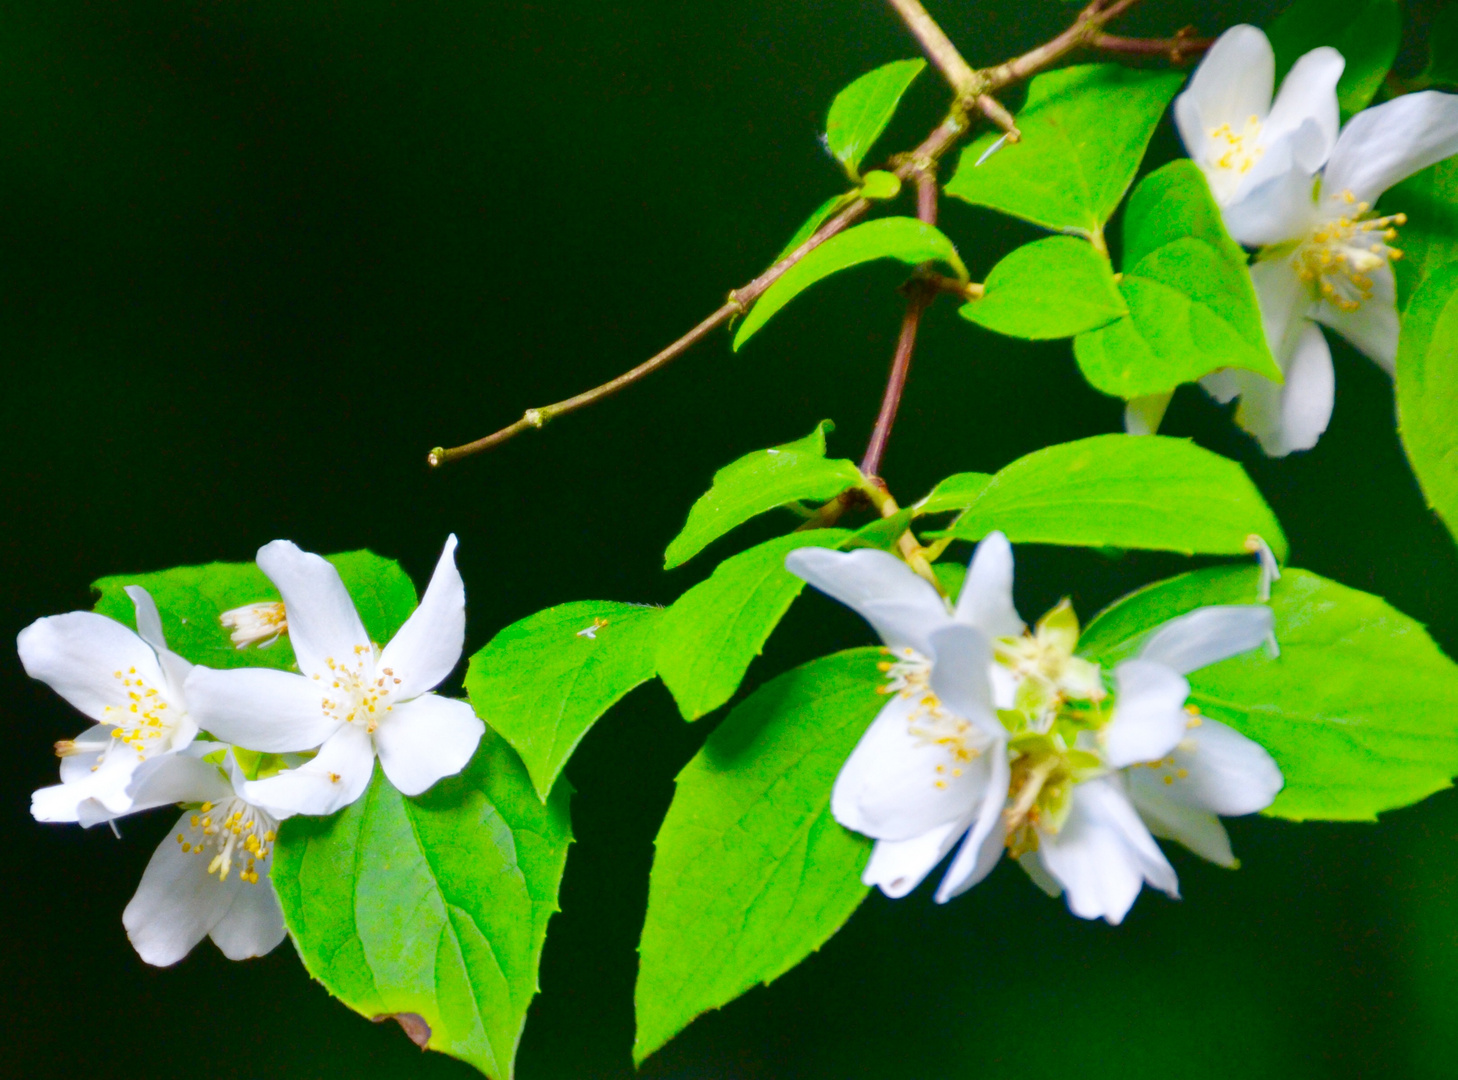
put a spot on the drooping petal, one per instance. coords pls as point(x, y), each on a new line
point(261, 708)
point(86, 658)
point(253, 924)
point(1308, 96)
point(177, 902)
point(331, 780)
point(896, 867)
point(1219, 770)
point(323, 623)
point(984, 844)
point(1388, 143)
point(961, 663)
point(1208, 635)
point(149, 621)
point(105, 783)
point(1032, 862)
point(428, 646)
point(1170, 819)
point(901, 607)
point(1149, 714)
point(423, 740)
point(1373, 325)
point(1142, 416)
point(986, 599)
point(1290, 417)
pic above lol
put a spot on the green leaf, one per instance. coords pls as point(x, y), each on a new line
point(1357, 711)
point(1443, 48)
point(544, 681)
point(1084, 132)
point(1430, 237)
point(879, 184)
point(954, 493)
point(883, 533)
point(862, 110)
point(751, 873)
point(1124, 491)
point(191, 598)
point(714, 631)
point(814, 221)
point(435, 906)
point(759, 482)
point(1192, 307)
point(1427, 391)
point(1366, 32)
point(906, 239)
point(951, 576)
point(1052, 288)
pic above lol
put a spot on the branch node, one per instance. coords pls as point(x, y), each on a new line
point(535, 417)
point(739, 304)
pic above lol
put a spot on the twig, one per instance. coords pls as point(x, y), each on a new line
point(1183, 46)
point(1089, 24)
point(960, 74)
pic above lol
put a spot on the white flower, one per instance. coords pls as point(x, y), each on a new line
point(130, 684)
point(210, 876)
point(932, 767)
point(350, 702)
point(256, 623)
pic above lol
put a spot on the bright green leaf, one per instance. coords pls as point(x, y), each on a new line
point(1429, 240)
point(862, 110)
point(883, 533)
point(954, 493)
point(191, 598)
point(814, 221)
point(1124, 491)
point(1366, 32)
point(902, 238)
point(544, 681)
point(712, 632)
point(1427, 391)
point(762, 481)
point(1084, 132)
point(435, 906)
point(1357, 711)
point(751, 873)
point(1192, 307)
point(879, 184)
point(1052, 288)
point(951, 576)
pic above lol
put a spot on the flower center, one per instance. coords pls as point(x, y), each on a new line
point(146, 721)
point(255, 623)
point(1038, 792)
point(1234, 153)
point(357, 695)
point(931, 722)
point(230, 830)
point(1340, 256)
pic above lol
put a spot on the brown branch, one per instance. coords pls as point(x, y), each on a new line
point(960, 74)
point(1178, 49)
point(1089, 24)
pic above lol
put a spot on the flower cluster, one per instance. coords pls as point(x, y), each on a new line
point(243, 749)
point(1000, 737)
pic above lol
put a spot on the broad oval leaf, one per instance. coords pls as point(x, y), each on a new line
point(956, 492)
point(862, 110)
point(1052, 288)
point(1357, 710)
point(1366, 32)
point(1430, 238)
point(1125, 491)
point(751, 874)
point(1427, 391)
point(1192, 306)
point(1084, 132)
point(759, 482)
point(544, 681)
point(713, 632)
point(905, 239)
point(435, 906)
point(190, 600)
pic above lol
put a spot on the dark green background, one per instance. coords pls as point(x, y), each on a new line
point(259, 257)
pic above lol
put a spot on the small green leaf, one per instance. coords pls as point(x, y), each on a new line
point(1052, 288)
point(582, 658)
point(902, 238)
point(1429, 240)
point(883, 533)
point(1084, 132)
point(436, 905)
point(954, 493)
point(190, 600)
point(1357, 711)
point(1427, 391)
point(862, 110)
point(1124, 491)
point(1366, 32)
point(751, 873)
point(762, 481)
point(951, 576)
point(814, 221)
point(1192, 307)
point(880, 185)
point(1443, 48)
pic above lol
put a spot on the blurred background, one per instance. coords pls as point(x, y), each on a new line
point(256, 259)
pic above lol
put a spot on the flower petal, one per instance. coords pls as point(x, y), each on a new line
point(105, 783)
point(961, 662)
point(901, 607)
point(177, 903)
point(428, 646)
point(986, 600)
point(1143, 415)
point(323, 623)
point(1166, 817)
point(1373, 326)
point(423, 740)
point(1234, 82)
point(1285, 300)
point(253, 925)
point(1274, 202)
point(983, 846)
point(1032, 862)
point(334, 778)
point(1149, 714)
point(1308, 95)
point(1219, 770)
point(178, 778)
point(1386, 144)
point(79, 656)
point(149, 622)
point(1291, 417)
point(896, 867)
point(1208, 635)
point(262, 709)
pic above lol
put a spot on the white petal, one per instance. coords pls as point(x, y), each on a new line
point(1149, 714)
point(1233, 83)
point(1208, 635)
point(178, 778)
point(149, 622)
point(961, 666)
point(1386, 144)
point(1033, 864)
point(177, 903)
point(1142, 416)
point(983, 846)
point(261, 709)
point(334, 778)
point(323, 623)
point(901, 607)
point(986, 599)
point(1166, 817)
point(253, 925)
point(1308, 95)
point(1219, 770)
point(421, 741)
point(89, 744)
point(79, 654)
point(1290, 417)
point(898, 866)
point(105, 782)
point(1285, 300)
point(1373, 326)
point(428, 646)
point(1275, 203)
